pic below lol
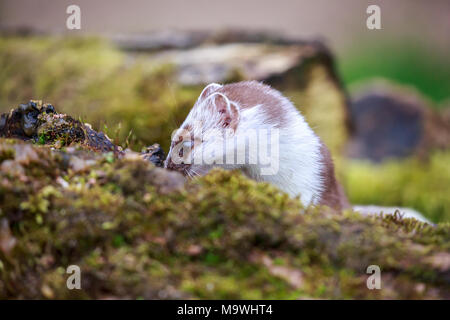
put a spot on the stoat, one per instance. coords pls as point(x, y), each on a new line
point(221, 127)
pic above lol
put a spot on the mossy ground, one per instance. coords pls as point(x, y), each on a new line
point(219, 236)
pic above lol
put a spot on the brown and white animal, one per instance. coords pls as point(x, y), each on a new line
point(223, 120)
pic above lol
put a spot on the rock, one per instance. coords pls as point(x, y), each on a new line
point(154, 154)
point(30, 114)
point(41, 123)
point(179, 39)
point(215, 57)
point(167, 181)
point(390, 121)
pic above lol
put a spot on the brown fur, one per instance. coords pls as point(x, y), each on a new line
point(251, 93)
point(333, 194)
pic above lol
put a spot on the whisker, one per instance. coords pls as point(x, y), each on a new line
point(186, 172)
point(195, 174)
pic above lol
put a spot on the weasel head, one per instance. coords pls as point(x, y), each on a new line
point(199, 144)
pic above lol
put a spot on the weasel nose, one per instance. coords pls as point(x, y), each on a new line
point(177, 167)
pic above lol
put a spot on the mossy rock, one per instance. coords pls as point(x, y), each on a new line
point(137, 231)
point(42, 124)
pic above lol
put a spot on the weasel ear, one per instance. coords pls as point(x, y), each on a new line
point(227, 111)
point(208, 90)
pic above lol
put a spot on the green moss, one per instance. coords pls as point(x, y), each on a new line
point(221, 236)
point(42, 138)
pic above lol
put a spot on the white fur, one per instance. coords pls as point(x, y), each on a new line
point(210, 86)
point(299, 154)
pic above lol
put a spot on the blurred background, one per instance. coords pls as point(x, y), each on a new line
point(378, 98)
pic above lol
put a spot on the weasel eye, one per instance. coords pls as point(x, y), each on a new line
point(185, 145)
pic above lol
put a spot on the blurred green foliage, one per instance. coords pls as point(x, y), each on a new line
point(406, 62)
point(424, 186)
